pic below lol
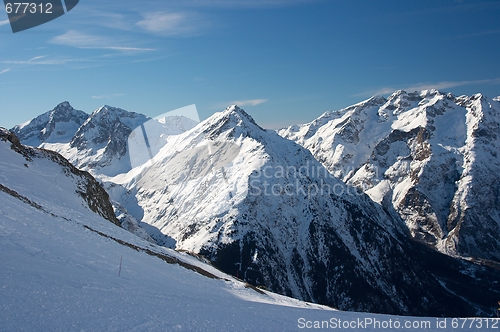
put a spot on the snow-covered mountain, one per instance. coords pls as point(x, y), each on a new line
point(98, 142)
point(262, 208)
point(429, 157)
point(66, 266)
point(56, 126)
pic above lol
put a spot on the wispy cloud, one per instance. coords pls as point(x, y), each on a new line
point(250, 102)
point(426, 86)
point(110, 96)
point(4, 71)
point(4, 22)
point(247, 3)
point(125, 49)
point(482, 33)
point(105, 18)
point(82, 40)
point(44, 60)
point(34, 60)
point(241, 103)
point(174, 24)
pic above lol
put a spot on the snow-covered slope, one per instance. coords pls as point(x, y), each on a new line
point(262, 208)
point(45, 179)
point(66, 268)
point(429, 157)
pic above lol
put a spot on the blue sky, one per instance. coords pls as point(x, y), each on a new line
point(283, 61)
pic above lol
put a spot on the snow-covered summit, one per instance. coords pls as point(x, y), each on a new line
point(55, 126)
point(96, 142)
point(232, 122)
point(100, 143)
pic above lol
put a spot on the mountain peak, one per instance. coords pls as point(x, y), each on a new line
point(234, 121)
point(375, 100)
point(63, 106)
point(64, 112)
point(239, 113)
point(58, 124)
point(111, 114)
point(107, 109)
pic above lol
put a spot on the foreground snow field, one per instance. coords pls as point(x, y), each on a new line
point(58, 275)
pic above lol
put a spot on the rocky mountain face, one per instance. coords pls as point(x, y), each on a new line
point(98, 142)
point(428, 157)
point(55, 126)
point(261, 208)
point(49, 172)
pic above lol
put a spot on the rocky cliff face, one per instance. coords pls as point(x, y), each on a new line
point(55, 126)
point(429, 157)
point(99, 142)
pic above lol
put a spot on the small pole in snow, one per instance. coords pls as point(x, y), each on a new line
point(120, 269)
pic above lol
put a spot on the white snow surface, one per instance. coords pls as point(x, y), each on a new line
point(59, 274)
point(197, 180)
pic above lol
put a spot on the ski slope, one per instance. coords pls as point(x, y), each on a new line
point(57, 275)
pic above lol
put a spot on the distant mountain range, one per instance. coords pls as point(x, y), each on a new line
point(97, 142)
point(261, 207)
